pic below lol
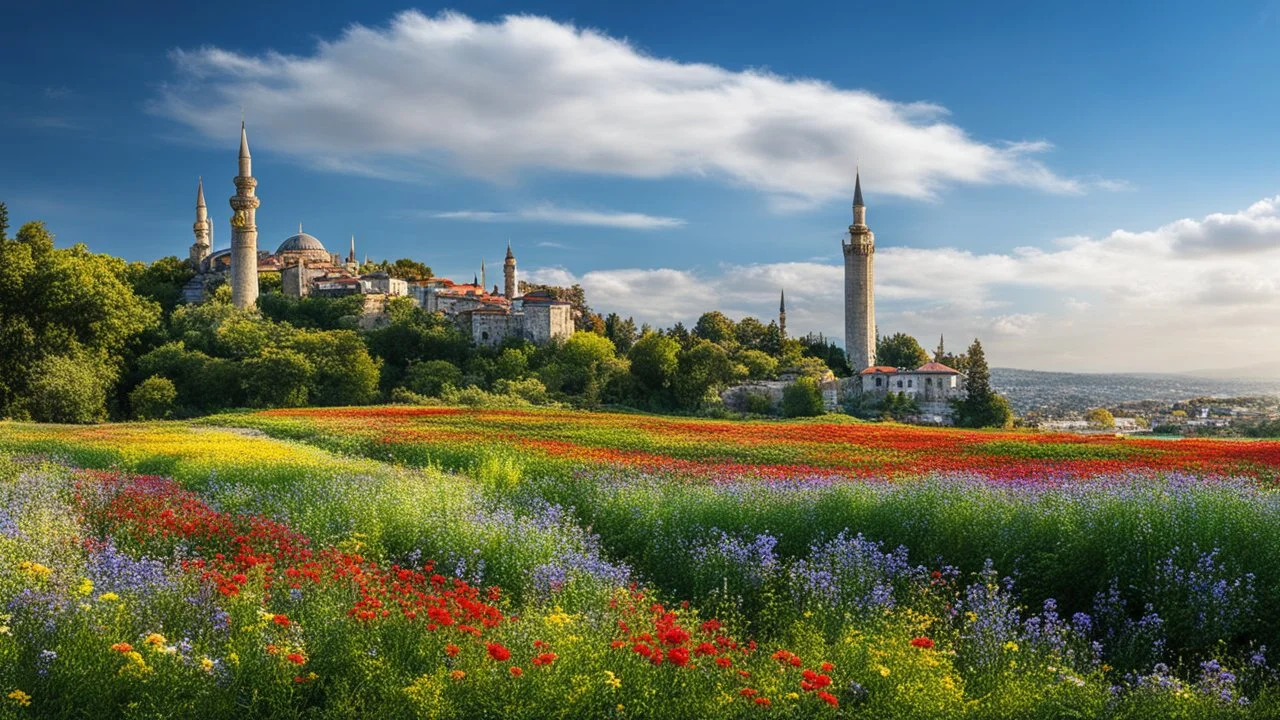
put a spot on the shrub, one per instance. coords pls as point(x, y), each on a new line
point(68, 389)
point(432, 377)
point(154, 399)
point(802, 398)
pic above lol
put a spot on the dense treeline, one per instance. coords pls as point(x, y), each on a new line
point(86, 337)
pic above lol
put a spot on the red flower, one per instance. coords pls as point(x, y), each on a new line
point(828, 667)
point(724, 662)
point(545, 659)
point(923, 643)
point(678, 656)
point(295, 658)
point(748, 692)
point(705, 648)
point(498, 652)
point(452, 650)
point(675, 636)
point(762, 701)
point(642, 649)
point(122, 647)
point(281, 620)
point(516, 672)
point(829, 699)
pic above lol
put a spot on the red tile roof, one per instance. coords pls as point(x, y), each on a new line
point(879, 369)
point(934, 367)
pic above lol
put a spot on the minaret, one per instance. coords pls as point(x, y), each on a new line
point(203, 229)
point(782, 314)
point(351, 256)
point(509, 274)
point(244, 231)
point(859, 287)
point(483, 280)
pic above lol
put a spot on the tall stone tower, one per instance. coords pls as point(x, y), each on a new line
point(244, 231)
point(203, 229)
point(782, 314)
point(859, 287)
point(509, 274)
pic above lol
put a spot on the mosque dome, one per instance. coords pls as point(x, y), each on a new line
point(303, 247)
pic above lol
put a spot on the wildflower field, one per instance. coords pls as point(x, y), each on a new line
point(435, 562)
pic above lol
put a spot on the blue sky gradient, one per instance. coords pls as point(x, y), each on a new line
point(1152, 111)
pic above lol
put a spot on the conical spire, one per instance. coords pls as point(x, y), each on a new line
point(782, 305)
point(246, 160)
point(200, 194)
point(510, 255)
point(351, 258)
point(857, 189)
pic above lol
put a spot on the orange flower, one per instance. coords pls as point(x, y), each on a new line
point(516, 672)
point(122, 647)
point(923, 643)
point(452, 650)
point(762, 701)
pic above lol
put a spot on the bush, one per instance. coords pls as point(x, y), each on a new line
point(802, 398)
point(68, 390)
point(278, 378)
point(759, 403)
point(432, 377)
point(154, 399)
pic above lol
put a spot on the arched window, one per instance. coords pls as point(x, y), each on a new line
point(484, 335)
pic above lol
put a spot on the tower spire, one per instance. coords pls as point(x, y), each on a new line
point(857, 187)
point(509, 284)
point(859, 286)
point(351, 257)
point(782, 313)
point(246, 160)
point(200, 195)
point(203, 230)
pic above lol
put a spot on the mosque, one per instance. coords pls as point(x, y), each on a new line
point(306, 268)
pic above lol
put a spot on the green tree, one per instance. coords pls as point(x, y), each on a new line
point(409, 270)
point(716, 327)
point(654, 361)
point(154, 399)
point(68, 389)
point(280, 377)
point(760, 366)
point(203, 383)
point(1100, 418)
point(4, 222)
point(802, 398)
point(68, 303)
point(583, 365)
point(704, 369)
point(900, 350)
point(432, 377)
point(982, 406)
point(345, 373)
point(160, 281)
point(751, 334)
point(621, 332)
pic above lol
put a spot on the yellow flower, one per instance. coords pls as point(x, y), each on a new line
point(559, 618)
point(619, 707)
point(612, 680)
point(86, 587)
point(21, 698)
point(35, 570)
point(884, 671)
point(135, 665)
point(1011, 646)
point(155, 640)
point(206, 664)
point(108, 597)
point(4, 629)
point(793, 696)
point(233, 658)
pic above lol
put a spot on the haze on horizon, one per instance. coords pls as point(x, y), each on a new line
point(1085, 189)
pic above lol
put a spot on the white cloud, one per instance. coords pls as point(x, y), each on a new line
point(553, 215)
point(1191, 294)
point(553, 245)
point(526, 92)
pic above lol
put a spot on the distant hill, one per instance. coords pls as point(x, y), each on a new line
point(1060, 392)
point(1256, 371)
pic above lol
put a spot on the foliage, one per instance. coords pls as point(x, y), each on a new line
point(68, 304)
point(431, 377)
point(900, 350)
point(1101, 418)
point(802, 398)
point(161, 281)
point(154, 399)
point(68, 389)
point(279, 377)
point(982, 406)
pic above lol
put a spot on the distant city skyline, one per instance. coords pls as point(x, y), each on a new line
point(1087, 188)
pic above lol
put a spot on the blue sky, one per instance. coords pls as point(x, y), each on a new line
point(1084, 186)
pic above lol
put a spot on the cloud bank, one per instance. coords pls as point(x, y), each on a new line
point(530, 93)
point(553, 215)
point(1188, 295)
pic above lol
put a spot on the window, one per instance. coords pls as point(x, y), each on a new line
point(484, 335)
point(908, 383)
point(878, 381)
point(899, 383)
point(928, 382)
